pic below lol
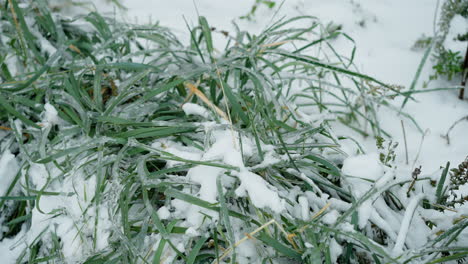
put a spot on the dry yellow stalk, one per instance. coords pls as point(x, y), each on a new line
point(315, 216)
point(275, 44)
point(244, 239)
point(74, 48)
point(247, 236)
point(193, 89)
point(321, 210)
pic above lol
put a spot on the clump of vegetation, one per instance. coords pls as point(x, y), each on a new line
point(448, 63)
point(459, 175)
point(449, 10)
point(452, 196)
point(94, 113)
point(422, 43)
point(387, 155)
point(258, 3)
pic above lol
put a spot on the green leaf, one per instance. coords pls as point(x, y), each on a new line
point(195, 250)
point(10, 109)
point(207, 34)
point(279, 247)
point(441, 182)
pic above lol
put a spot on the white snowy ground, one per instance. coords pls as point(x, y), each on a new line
point(384, 32)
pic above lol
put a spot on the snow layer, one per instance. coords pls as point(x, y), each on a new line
point(194, 109)
point(361, 172)
point(225, 147)
point(50, 114)
point(8, 169)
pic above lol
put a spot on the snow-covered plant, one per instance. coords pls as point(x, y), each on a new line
point(456, 194)
point(450, 9)
point(121, 144)
point(450, 46)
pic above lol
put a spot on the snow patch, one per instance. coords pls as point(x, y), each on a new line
point(8, 169)
point(194, 109)
point(50, 115)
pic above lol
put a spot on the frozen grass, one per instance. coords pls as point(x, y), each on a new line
point(110, 168)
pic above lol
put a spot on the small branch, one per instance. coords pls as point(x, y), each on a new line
point(414, 175)
point(464, 76)
point(446, 136)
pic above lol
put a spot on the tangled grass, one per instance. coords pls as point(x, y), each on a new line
point(103, 172)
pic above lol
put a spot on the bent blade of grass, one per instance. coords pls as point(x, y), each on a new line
point(161, 89)
point(206, 34)
point(224, 215)
point(279, 247)
point(196, 249)
point(334, 68)
point(418, 73)
point(154, 215)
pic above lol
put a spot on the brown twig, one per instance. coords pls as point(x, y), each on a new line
point(74, 48)
point(415, 175)
point(446, 136)
point(464, 76)
point(194, 90)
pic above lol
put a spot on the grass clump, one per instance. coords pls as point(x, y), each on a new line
point(115, 166)
point(448, 63)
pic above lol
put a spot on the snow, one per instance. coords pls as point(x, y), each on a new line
point(335, 250)
point(270, 157)
point(192, 232)
point(50, 115)
point(194, 109)
point(405, 224)
point(247, 252)
point(164, 213)
point(9, 167)
point(206, 176)
point(225, 147)
point(383, 224)
point(304, 203)
point(458, 26)
point(257, 188)
point(366, 167)
point(178, 150)
point(62, 214)
point(360, 174)
point(331, 217)
point(11, 248)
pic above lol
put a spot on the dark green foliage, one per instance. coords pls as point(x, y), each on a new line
point(449, 64)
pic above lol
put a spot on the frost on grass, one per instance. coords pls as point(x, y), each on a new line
point(121, 144)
